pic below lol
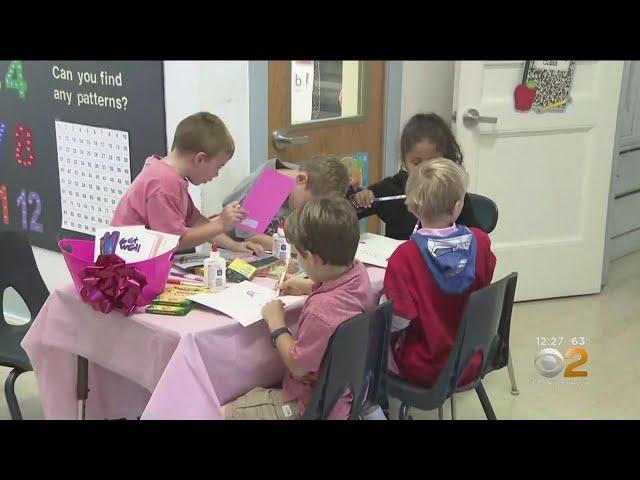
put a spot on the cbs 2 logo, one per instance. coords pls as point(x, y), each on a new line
point(549, 362)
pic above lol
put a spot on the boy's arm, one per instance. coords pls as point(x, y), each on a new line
point(484, 241)
point(200, 233)
point(273, 314)
point(165, 214)
point(398, 322)
point(396, 289)
point(201, 220)
point(204, 230)
point(265, 241)
point(225, 241)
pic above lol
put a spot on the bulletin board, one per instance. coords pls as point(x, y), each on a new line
point(73, 135)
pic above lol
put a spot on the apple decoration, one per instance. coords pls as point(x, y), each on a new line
point(524, 95)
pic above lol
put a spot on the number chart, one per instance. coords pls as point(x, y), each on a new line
point(94, 172)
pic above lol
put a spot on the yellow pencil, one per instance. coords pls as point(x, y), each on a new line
point(284, 273)
point(553, 105)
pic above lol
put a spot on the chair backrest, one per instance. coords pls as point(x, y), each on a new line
point(485, 212)
point(18, 269)
point(355, 360)
point(481, 325)
point(501, 357)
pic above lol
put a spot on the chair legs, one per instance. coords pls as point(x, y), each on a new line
point(403, 412)
point(10, 393)
point(512, 377)
point(453, 407)
point(484, 401)
point(82, 386)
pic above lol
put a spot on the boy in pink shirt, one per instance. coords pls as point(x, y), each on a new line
point(158, 198)
point(325, 234)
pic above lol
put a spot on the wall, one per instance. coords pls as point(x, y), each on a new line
point(624, 221)
point(219, 87)
point(414, 87)
point(427, 87)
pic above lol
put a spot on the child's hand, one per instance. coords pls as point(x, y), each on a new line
point(249, 247)
point(254, 247)
point(232, 214)
point(295, 286)
point(273, 314)
point(364, 198)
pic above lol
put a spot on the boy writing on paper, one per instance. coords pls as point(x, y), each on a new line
point(158, 198)
point(325, 233)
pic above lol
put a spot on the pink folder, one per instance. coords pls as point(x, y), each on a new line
point(264, 200)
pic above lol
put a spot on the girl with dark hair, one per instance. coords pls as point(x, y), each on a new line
point(425, 137)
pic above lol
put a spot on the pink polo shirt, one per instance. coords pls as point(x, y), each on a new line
point(329, 305)
point(159, 199)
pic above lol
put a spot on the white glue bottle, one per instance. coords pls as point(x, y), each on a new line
point(281, 249)
point(215, 270)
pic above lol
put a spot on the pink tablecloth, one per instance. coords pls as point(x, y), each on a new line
point(150, 366)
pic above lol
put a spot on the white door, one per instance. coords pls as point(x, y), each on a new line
point(549, 173)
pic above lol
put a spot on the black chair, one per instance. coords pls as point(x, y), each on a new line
point(485, 212)
point(500, 355)
point(356, 359)
point(481, 329)
point(18, 269)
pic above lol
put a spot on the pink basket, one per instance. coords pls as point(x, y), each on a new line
point(156, 269)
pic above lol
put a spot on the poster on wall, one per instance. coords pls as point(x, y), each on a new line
point(94, 172)
point(545, 86)
point(316, 90)
point(358, 167)
point(302, 81)
point(68, 128)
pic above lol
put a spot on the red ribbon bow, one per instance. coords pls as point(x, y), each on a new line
point(111, 284)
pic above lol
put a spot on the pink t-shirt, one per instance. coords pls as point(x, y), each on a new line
point(159, 199)
point(329, 305)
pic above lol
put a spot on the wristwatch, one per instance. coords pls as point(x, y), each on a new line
point(277, 332)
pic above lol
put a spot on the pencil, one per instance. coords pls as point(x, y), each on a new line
point(386, 199)
point(284, 274)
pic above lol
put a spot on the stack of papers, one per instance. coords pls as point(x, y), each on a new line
point(133, 244)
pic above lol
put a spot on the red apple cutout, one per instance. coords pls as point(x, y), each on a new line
point(524, 95)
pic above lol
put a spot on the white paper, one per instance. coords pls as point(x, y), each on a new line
point(375, 249)
point(243, 301)
point(94, 172)
point(302, 78)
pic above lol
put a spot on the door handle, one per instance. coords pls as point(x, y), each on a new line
point(281, 140)
point(472, 117)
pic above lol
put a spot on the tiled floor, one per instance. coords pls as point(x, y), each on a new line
point(610, 322)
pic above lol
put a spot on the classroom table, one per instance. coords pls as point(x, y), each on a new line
point(151, 366)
